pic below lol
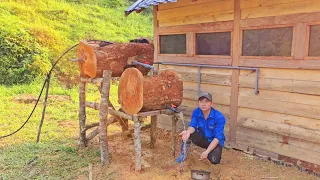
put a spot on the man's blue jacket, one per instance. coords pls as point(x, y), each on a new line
point(210, 128)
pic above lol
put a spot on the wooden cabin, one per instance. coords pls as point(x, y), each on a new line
point(279, 37)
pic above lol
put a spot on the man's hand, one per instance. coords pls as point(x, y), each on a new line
point(185, 135)
point(204, 155)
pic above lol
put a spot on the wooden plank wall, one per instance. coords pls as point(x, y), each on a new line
point(284, 118)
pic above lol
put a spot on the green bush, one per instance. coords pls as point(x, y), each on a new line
point(21, 57)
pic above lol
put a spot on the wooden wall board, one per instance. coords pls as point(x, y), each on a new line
point(275, 143)
point(306, 123)
point(217, 89)
point(197, 9)
point(206, 78)
point(307, 6)
point(182, 3)
point(198, 18)
point(217, 98)
point(296, 86)
point(219, 61)
point(292, 19)
point(260, 3)
point(280, 63)
point(290, 108)
point(195, 28)
point(280, 128)
point(288, 74)
point(195, 69)
point(282, 96)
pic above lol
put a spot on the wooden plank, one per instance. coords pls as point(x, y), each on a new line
point(235, 73)
point(206, 78)
point(249, 3)
point(217, 97)
point(281, 9)
point(302, 122)
point(275, 143)
point(296, 86)
point(200, 27)
point(198, 18)
point(280, 20)
point(259, 3)
point(217, 89)
point(219, 61)
point(300, 39)
point(190, 44)
point(196, 9)
point(298, 18)
point(195, 69)
point(290, 108)
point(279, 63)
point(182, 3)
point(282, 96)
point(280, 128)
point(289, 74)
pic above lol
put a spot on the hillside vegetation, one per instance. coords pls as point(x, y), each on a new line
point(33, 33)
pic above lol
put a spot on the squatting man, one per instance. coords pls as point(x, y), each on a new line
point(205, 130)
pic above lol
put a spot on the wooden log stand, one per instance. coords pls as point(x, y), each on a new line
point(105, 108)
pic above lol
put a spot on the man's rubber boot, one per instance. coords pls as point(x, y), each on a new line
point(183, 154)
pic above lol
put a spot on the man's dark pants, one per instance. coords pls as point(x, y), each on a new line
point(215, 155)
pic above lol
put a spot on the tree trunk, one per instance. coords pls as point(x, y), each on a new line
point(114, 57)
point(139, 94)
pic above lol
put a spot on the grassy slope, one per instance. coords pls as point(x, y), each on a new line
point(56, 25)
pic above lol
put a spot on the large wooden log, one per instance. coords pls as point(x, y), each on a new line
point(138, 93)
point(94, 58)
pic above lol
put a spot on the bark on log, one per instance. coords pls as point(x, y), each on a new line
point(114, 57)
point(139, 94)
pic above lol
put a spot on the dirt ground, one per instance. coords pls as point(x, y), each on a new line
point(159, 164)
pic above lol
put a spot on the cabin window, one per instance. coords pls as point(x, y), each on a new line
point(267, 42)
point(173, 44)
point(314, 46)
point(218, 43)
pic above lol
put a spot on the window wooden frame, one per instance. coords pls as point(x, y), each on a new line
point(307, 46)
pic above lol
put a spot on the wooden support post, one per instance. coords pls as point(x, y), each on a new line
point(137, 140)
point(174, 135)
point(235, 73)
point(153, 131)
point(104, 110)
point(82, 114)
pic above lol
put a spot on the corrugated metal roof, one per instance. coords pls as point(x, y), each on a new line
point(142, 4)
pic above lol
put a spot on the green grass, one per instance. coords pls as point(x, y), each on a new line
point(40, 30)
point(57, 156)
